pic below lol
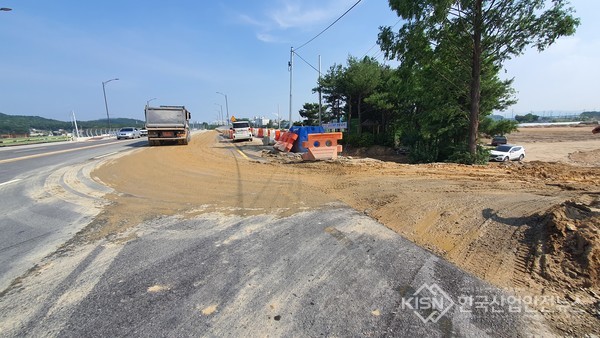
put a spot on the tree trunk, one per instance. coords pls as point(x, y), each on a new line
point(359, 127)
point(349, 112)
point(475, 78)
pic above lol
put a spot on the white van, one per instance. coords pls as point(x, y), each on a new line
point(241, 131)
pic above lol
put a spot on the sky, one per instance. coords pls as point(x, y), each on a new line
point(55, 56)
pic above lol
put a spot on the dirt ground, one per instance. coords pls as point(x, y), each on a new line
point(531, 227)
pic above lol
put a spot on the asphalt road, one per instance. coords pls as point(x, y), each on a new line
point(329, 272)
point(47, 197)
point(326, 272)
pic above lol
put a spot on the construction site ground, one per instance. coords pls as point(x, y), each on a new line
point(529, 227)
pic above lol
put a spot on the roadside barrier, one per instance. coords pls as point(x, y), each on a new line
point(322, 146)
point(286, 141)
point(269, 138)
point(303, 132)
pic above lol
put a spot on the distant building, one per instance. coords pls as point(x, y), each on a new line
point(261, 122)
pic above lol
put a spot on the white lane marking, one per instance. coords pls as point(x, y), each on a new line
point(11, 181)
point(105, 155)
point(52, 153)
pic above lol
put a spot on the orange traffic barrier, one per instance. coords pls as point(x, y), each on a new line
point(277, 135)
point(286, 142)
point(322, 146)
point(260, 133)
point(231, 134)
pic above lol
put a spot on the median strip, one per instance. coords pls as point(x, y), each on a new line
point(50, 153)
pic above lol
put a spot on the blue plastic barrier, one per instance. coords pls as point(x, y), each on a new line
point(302, 133)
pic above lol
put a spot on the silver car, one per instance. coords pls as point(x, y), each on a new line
point(128, 132)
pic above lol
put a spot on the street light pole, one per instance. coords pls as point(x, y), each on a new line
point(220, 105)
point(105, 102)
point(226, 106)
point(148, 101)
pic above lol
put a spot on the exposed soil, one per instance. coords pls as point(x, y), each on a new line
point(531, 227)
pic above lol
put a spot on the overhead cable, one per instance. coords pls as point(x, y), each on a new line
point(333, 23)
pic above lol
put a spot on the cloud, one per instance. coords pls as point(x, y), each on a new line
point(293, 15)
point(289, 14)
point(246, 19)
point(266, 37)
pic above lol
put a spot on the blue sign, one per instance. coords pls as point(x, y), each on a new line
point(339, 125)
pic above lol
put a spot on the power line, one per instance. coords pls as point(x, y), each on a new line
point(308, 63)
point(397, 22)
point(333, 23)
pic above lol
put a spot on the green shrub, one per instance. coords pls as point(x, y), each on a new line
point(366, 140)
point(463, 156)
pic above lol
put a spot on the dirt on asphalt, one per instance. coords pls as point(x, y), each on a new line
point(530, 227)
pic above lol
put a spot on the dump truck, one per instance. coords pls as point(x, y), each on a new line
point(168, 124)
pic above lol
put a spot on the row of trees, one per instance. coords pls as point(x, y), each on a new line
point(17, 124)
point(447, 83)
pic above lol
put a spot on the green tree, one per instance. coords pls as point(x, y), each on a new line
point(491, 128)
point(310, 113)
point(428, 96)
point(483, 31)
point(527, 118)
point(362, 78)
point(333, 88)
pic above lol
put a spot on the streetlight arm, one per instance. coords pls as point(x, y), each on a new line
point(105, 102)
point(226, 105)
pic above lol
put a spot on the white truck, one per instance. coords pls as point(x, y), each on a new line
point(168, 124)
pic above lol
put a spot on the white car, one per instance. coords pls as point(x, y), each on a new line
point(241, 131)
point(507, 152)
point(128, 132)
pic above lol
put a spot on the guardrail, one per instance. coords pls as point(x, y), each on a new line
point(7, 142)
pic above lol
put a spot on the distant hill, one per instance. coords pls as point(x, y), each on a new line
point(17, 124)
point(591, 115)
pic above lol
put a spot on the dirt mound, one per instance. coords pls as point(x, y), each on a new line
point(571, 249)
point(556, 173)
point(589, 158)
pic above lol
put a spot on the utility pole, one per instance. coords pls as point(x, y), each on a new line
point(291, 69)
point(320, 97)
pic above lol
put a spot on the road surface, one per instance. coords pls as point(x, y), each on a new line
point(327, 270)
point(47, 197)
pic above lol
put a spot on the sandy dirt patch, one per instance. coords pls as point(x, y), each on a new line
point(556, 144)
point(486, 219)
